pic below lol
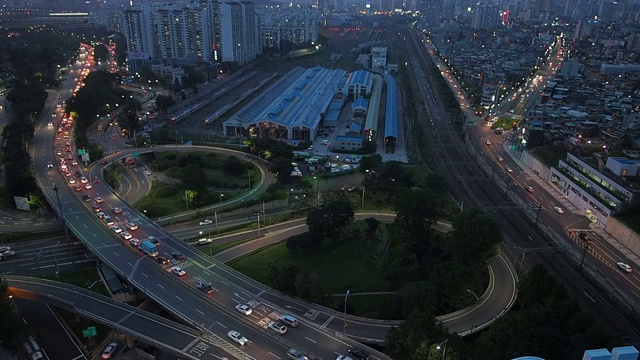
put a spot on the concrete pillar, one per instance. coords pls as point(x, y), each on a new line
point(130, 341)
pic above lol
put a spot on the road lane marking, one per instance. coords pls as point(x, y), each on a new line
point(313, 341)
point(587, 295)
point(130, 264)
point(274, 355)
point(224, 282)
point(162, 287)
point(200, 311)
point(145, 275)
point(221, 324)
point(178, 297)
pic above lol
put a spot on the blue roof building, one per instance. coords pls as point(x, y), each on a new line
point(290, 109)
point(391, 113)
point(357, 84)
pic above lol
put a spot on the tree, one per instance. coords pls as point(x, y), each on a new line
point(283, 276)
point(417, 210)
point(164, 102)
point(282, 168)
point(195, 179)
point(12, 328)
point(234, 166)
point(100, 53)
point(371, 162)
point(475, 238)
point(329, 220)
point(419, 326)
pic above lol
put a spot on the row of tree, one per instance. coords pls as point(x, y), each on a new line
point(33, 57)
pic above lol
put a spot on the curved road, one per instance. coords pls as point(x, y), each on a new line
point(178, 295)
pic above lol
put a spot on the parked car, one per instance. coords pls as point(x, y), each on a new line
point(205, 222)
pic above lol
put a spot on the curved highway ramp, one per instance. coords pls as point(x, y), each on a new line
point(150, 328)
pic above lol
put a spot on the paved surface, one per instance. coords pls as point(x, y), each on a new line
point(52, 336)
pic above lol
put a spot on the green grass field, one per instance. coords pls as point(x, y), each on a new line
point(341, 265)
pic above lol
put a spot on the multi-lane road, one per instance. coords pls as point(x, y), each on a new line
point(470, 164)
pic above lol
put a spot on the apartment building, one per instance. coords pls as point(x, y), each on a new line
point(594, 187)
point(298, 26)
point(239, 30)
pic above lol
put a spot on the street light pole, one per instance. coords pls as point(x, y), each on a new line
point(443, 346)
point(66, 228)
point(362, 207)
point(474, 295)
point(344, 329)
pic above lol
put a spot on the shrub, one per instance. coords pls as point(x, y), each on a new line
point(166, 191)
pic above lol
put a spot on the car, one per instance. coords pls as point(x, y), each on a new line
point(72, 181)
point(205, 286)
point(74, 163)
point(294, 354)
point(132, 226)
point(67, 173)
point(500, 159)
point(509, 170)
point(529, 189)
point(77, 188)
point(205, 222)
point(244, 308)
point(488, 142)
point(86, 197)
point(7, 254)
point(78, 173)
point(134, 242)
point(109, 350)
point(161, 260)
point(83, 180)
point(116, 229)
point(63, 166)
point(558, 210)
point(178, 256)
point(87, 186)
point(49, 165)
point(343, 357)
point(178, 271)
point(624, 267)
point(96, 180)
point(360, 353)
point(277, 327)
point(100, 215)
point(117, 210)
point(5, 248)
point(96, 208)
point(125, 235)
point(70, 157)
point(237, 337)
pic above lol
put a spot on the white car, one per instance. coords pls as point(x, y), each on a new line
point(237, 337)
point(6, 254)
point(624, 267)
point(116, 229)
point(49, 165)
point(98, 199)
point(205, 222)
point(87, 186)
point(132, 226)
point(558, 210)
point(5, 248)
point(509, 170)
point(244, 308)
point(109, 350)
point(343, 357)
point(83, 180)
point(278, 328)
point(72, 181)
point(134, 242)
point(178, 271)
point(125, 235)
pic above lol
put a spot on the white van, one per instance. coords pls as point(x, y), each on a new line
point(289, 320)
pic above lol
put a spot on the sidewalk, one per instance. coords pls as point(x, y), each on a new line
point(529, 174)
